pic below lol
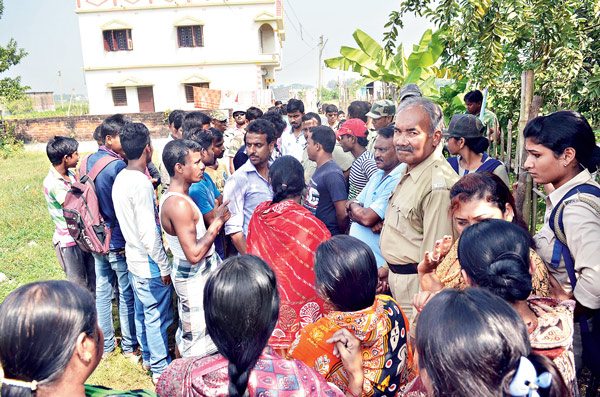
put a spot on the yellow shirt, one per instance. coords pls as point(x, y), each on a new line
point(417, 214)
point(219, 176)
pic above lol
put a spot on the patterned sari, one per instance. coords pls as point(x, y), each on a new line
point(286, 236)
point(383, 332)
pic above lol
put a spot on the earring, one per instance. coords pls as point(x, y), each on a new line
point(565, 164)
point(87, 357)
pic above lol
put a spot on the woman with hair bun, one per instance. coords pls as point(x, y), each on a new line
point(286, 235)
point(563, 154)
point(472, 343)
point(500, 263)
point(241, 306)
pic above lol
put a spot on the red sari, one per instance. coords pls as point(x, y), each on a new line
point(286, 236)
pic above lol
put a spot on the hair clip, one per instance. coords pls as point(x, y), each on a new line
point(527, 382)
point(19, 383)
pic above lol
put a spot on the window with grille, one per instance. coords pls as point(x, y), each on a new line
point(189, 91)
point(119, 95)
point(190, 36)
point(118, 40)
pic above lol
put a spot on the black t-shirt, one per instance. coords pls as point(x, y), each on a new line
point(326, 186)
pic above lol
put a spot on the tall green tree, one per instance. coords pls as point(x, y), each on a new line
point(493, 41)
point(10, 55)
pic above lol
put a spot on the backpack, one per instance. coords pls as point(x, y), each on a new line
point(590, 338)
point(82, 213)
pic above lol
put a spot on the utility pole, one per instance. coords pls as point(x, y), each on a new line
point(321, 46)
point(60, 89)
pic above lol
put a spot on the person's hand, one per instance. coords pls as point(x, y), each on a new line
point(347, 348)
point(349, 203)
point(376, 228)
point(222, 213)
point(383, 284)
point(166, 279)
point(432, 259)
point(420, 299)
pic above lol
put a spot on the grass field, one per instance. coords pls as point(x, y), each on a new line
point(27, 255)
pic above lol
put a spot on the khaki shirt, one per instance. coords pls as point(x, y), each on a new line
point(582, 229)
point(417, 214)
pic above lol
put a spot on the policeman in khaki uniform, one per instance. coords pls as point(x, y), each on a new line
point(381, 114)
point(417, 213)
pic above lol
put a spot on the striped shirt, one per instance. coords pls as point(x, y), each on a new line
point(361, 171)
point(55, 191)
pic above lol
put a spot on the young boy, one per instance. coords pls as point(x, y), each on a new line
point(147, 262)
point(77, 264)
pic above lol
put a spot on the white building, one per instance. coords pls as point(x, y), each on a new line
point(147, 55)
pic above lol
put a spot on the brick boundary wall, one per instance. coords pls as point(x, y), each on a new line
point(80, 127)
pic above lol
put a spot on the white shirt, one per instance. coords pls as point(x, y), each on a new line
point(291, 145)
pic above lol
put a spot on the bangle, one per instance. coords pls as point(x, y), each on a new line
point(350, 391)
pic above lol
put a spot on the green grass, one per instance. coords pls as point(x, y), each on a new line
point(27, 255)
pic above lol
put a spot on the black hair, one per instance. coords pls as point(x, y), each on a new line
point(324, 136)
point(217, 135)
point(98, 133)
point(474, 96)
point(471, 342)
point(274, 109)
point(40, 325)
point(359, 110)
point(195, 119)
point(176, 118)
point(262, 126)
point(346, 272)
point(499, 261)
point(59, 147)
point(277, 120)
point(287, 178)
point(342, 112)
point(241, 307)
point(564, 129)
point(278, 103)
point(112, 125)
point(175, 153)
point(387, 131)
point(253, 113)
point(284, 109)
point(134, 139)
point(313, 116)
point(295, 105)
point(363, 141)
point(201, 136)
point(331, 109)
point(477, 145)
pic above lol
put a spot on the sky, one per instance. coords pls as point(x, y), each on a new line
point(49, 31)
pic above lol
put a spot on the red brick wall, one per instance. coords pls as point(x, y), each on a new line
point(80, 127)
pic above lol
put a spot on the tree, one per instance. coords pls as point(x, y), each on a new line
point(373, 63)
point(10, 55)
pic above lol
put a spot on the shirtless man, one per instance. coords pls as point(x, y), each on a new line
point(194, 255)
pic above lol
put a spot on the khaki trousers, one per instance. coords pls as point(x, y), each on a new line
point(403, 287)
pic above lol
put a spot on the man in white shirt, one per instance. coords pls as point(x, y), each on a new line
point(147, 262)
point(292, 140)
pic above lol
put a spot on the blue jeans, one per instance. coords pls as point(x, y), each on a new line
point(109, 267)
point(153, 315)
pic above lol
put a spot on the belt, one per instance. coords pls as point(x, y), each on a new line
point(407, 268)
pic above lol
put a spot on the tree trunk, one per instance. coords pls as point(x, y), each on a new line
point(523, 202)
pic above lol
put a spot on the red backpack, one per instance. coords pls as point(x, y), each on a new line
point(81, 211)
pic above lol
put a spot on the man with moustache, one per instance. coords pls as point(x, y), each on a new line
point(369, 207)
point(417, 213)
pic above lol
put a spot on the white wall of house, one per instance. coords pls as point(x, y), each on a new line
point(231, 59)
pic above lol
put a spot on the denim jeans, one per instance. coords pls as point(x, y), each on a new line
point(153, 315)
point(109, 267)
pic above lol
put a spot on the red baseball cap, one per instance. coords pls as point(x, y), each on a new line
point(355, 127)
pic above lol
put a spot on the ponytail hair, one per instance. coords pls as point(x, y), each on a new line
point(499, 261)
point(560, 130)
point(287, 178)
point(40, 324)
point(241, 307)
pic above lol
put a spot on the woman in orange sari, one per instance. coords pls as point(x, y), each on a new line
point(286, 235)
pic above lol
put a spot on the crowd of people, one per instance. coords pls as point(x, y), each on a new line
point(321, 257)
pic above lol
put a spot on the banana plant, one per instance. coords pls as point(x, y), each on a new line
point(374, 63)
